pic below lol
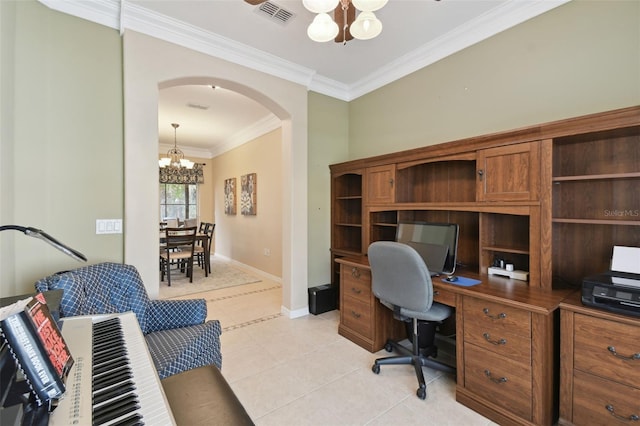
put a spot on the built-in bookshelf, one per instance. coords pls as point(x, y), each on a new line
point(552, 199)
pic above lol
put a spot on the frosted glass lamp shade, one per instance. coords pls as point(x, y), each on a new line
point(369, 5)
point(323, 28)
point(320, 6)
point(186, 163)
point(366, 26)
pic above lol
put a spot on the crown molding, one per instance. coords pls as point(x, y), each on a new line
point(487, 25)
point(136, 18)
point(255, 130)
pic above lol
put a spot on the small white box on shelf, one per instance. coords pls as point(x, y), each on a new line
point(516, 275)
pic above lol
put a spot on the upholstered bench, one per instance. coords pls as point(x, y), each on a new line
point(202, 396)
point(176, 331)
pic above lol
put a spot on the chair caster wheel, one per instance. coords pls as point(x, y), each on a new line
point(375, 368)
point(421, 393)
point(388, 347)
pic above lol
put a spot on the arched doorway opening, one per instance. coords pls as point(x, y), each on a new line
point(247, 139)
point(149, 61)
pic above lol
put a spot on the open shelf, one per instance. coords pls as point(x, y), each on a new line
point(595, 201)
point(450, 181)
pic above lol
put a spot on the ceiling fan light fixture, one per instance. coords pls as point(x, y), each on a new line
point(366, 26)
point(320, 6)
point(323, 28)
point(369, 5)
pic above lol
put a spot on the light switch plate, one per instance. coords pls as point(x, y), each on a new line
point(108, 226)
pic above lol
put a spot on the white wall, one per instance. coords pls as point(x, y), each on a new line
point(244, 238)
point(150, 64)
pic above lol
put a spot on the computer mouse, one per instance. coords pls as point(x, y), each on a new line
point(451, 278)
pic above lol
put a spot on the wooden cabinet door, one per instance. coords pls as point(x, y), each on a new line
point(380, 184)
point(509, 173)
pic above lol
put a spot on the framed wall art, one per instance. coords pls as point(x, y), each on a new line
point(230, 196)
point(248, 194)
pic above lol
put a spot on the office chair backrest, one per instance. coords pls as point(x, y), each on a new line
point(400, 276)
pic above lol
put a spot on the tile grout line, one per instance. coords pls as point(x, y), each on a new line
point(246, 293)
point(252, 322)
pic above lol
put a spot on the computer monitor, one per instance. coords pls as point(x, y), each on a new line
point(437, 244)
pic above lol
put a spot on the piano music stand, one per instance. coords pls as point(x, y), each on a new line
point(17, 403)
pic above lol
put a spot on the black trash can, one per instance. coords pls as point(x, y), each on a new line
point(322, 299)
point(426, 333)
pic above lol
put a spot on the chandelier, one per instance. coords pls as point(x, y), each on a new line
point(175, 157)
point(324, 28)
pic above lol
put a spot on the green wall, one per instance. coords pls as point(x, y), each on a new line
point(61, 152)
point(580, 58)
point(62, 140)
point(328, 141)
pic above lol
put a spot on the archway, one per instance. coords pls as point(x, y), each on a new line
point(146, 66)
point(254, 241)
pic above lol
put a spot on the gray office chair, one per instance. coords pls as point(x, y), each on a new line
point(401, 280)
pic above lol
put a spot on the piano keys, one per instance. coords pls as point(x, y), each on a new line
point(113, 381)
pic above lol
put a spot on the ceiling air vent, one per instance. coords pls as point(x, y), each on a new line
point(197, 106)
point(274, 12)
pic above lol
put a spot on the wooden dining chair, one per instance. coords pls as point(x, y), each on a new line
point(204, 246)
point(178, 251)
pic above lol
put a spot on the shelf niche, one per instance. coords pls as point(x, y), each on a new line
point(451, 181)
point(596, 201)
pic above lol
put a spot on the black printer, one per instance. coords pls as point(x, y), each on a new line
point(613, 291)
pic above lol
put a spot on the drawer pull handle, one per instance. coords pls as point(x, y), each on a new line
point(501, 315)
point(356, 290)
point(487, 337)
point(631, 418)
point(500, 380)
point(355, 273)
point(355, 314)
point(612, 349)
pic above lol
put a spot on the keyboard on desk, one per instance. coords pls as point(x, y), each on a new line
point(113, 380)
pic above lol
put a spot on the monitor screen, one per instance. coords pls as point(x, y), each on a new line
point(437, 244)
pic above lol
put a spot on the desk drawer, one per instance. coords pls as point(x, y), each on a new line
point(356, 282)
point(607, 349)
point(498, 379)
point(356, 315)
point(445, 297)
point(497, 317)
point(499, 341)
point(597, 401)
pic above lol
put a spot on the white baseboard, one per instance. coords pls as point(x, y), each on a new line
point(296, 313)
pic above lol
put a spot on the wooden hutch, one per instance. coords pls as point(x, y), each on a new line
point(552, 199)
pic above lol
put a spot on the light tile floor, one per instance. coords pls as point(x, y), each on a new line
point(302, 372)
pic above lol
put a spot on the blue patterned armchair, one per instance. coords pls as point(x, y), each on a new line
point(177, 335)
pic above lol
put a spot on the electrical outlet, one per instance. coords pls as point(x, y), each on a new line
point(267, 252)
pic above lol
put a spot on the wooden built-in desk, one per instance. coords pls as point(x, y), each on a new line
point(506, 350)
point(552, 199)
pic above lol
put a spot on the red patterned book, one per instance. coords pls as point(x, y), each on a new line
point(38, 347)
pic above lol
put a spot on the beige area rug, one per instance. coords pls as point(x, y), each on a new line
point(222, 275)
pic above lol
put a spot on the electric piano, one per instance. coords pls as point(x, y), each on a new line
point(113, 380)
